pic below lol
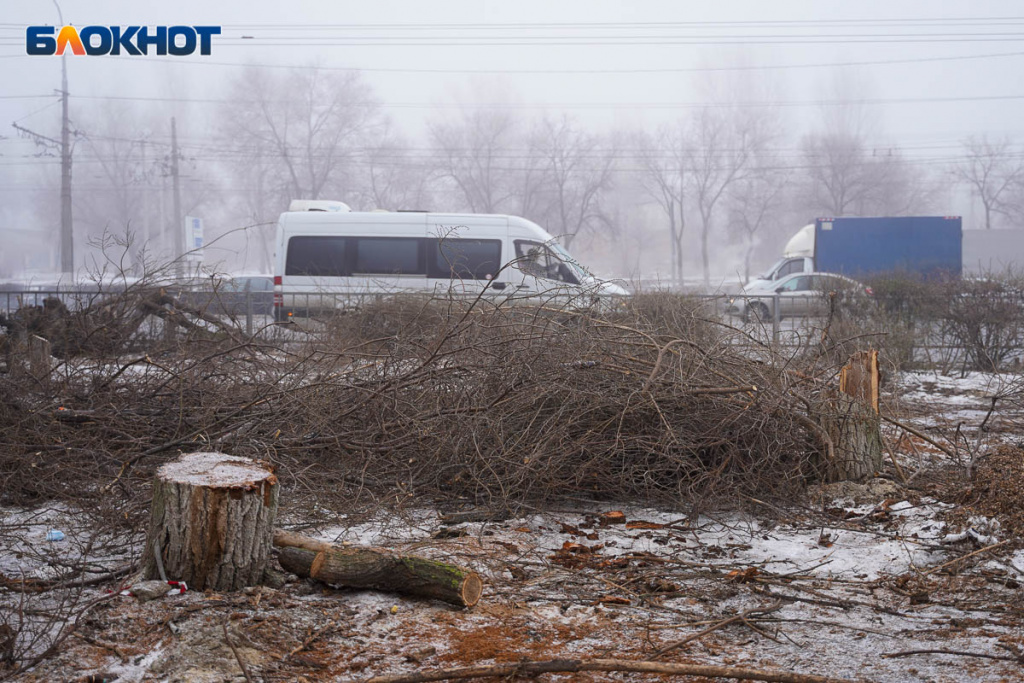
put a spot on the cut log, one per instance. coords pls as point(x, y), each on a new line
point(378, 569)
point(212, 521)
point(851, 419)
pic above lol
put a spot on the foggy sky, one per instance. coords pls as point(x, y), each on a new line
point(113, 76)
point(316, 31)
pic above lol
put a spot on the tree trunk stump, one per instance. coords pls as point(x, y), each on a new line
point(39, 358)
point(850, 417)
point(212, 521)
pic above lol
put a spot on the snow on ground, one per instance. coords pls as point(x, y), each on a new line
point(858, 582)
point(844, 591)
point(952, 389)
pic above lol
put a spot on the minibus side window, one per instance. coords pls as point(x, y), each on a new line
point(463, 259)
point(316, 257)
point(388, 256)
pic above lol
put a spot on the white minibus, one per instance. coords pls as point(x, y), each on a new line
point(327, 256)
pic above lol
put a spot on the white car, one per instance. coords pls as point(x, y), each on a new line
point(799, 295)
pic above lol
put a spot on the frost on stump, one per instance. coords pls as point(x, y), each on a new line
point(212, 520)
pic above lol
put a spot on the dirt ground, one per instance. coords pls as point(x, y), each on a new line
point(917, 575)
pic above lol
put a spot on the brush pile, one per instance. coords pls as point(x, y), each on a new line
point(467, 402)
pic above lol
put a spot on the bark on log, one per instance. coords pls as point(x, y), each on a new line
point(851, 419)
point(212, 521)
point(377, 569)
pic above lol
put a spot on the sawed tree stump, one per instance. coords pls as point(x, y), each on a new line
point(40, 358)
point(212, 521)
point(850, 417)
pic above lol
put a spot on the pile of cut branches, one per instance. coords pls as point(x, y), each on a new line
point(458, 400)
point(497, 406)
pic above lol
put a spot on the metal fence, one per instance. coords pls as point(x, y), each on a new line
point(964, 333)
point(12, 300)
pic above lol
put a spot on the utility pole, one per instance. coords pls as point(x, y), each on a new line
point(146, 245)
point(178, 232)
point(66, 242)
point(67, 237)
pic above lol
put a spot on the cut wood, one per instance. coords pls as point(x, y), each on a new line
point(108, 324)
point(212, 521)
point(850, 417)
point(859, 378)
point(378, 569)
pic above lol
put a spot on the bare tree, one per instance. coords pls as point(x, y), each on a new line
point(844, 176)
point(125, 198)
point(849, 170)
point(300, 130)
point(726, 143)
point(294, 134)
point(475, 156)
point(903, 189)
point(993, 171)
point(395, 179)
point(838, 178)
point(755, 203)
point(663, 164)
point(112, 196)
point(577, 170)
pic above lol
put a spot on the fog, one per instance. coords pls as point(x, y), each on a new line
point(664, 140)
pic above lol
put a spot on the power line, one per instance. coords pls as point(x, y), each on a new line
point(303, 42)
point(630, 25)
point(588, 24)
point(659, 70)
point(630, 71)
point(583, 105)
point(436, 161)
point(601, 40)
point(37, 111)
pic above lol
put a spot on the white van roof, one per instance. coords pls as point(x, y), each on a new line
point(323, 222)
point(318, 205)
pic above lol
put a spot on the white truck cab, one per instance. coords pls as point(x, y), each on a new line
point(797, 257)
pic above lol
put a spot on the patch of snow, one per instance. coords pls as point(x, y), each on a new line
point(135, 670)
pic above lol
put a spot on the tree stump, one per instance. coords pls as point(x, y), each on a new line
point(850, 418)
point(39, 358)
point(212, 521)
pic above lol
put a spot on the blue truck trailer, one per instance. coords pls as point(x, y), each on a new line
point(930, 246)
point(861, 247)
